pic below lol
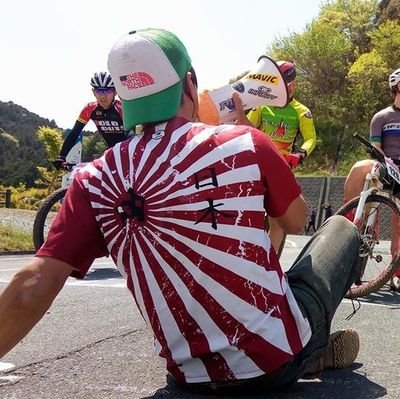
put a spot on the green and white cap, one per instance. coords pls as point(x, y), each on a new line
point(148, 67)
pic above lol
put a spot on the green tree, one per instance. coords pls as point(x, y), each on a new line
point(386, 42)
point(368, 76)
point(18, 162)
point(321, 54)
point(367, 79)
point(93, 147)
point(52, 140)
point(354, 18)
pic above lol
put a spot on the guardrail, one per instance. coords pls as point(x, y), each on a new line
point(321, 190)
point(5, 198)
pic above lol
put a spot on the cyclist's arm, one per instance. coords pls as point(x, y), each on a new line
point(375, 132)
point(307, 130)
point(80, 123)
point(72, 137)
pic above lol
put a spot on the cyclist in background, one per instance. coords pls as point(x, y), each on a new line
point(385, 136)
point(283, 125)
point(105, 112)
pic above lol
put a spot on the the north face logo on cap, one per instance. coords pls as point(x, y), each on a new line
point(136, 80)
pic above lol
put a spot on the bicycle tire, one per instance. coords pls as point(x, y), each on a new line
point(43, 221)
point(373, 276)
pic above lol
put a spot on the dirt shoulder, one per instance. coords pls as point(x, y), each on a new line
point(16, 238)
point(20, 219)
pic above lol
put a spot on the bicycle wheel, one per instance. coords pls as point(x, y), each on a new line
point(375, 265)
point(45, 216)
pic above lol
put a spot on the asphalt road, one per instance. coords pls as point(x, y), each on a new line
point(94, 344)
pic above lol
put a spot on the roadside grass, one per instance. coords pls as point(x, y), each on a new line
point(12, 239)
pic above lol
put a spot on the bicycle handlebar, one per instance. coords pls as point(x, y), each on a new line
point(370, 148)
point(68, 166)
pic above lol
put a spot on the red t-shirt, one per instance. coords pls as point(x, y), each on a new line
point(181, 211)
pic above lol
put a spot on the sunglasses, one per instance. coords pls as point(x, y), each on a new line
point(101, 90)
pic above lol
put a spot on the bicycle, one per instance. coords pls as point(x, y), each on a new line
point(372, 209)
point(50, 205)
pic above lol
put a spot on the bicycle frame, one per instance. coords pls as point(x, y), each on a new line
point(372, 185)
point(369, 211)
point(363, 214)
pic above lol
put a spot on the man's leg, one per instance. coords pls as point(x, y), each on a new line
point(395, 244)
point(355, 179)
point(313, 226)
point(319, 279)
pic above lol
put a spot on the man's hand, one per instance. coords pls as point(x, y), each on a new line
point(59, 162)
point(241, 116)
point(294, 159)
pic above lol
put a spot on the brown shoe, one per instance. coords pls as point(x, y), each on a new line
point(342, 350)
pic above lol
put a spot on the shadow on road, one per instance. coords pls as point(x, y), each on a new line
point(384, 297)
point(344, 384)
point(103, 274)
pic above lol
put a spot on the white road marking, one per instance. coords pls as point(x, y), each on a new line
point(16, 257)
point(7, 367)
point(290, 243)
point(364, 302)
point(95, 284)
point(9, 378)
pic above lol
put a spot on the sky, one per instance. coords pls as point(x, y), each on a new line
point(50, 48)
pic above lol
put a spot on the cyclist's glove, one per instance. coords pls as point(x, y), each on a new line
point(59, 162)
point(295, 159)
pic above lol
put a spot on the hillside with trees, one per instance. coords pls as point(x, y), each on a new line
point(20, 150)
point(23, 154)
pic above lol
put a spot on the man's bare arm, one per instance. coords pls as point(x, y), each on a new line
point(27, 297)
point(294, 219)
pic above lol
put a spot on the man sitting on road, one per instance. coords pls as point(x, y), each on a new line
point(180, 209)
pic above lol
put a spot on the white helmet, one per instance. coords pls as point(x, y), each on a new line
point(101, 80)
point(394, 78)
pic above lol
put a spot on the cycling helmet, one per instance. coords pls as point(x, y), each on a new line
point(288, 69)
point(101, 80)
point(394, 78)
